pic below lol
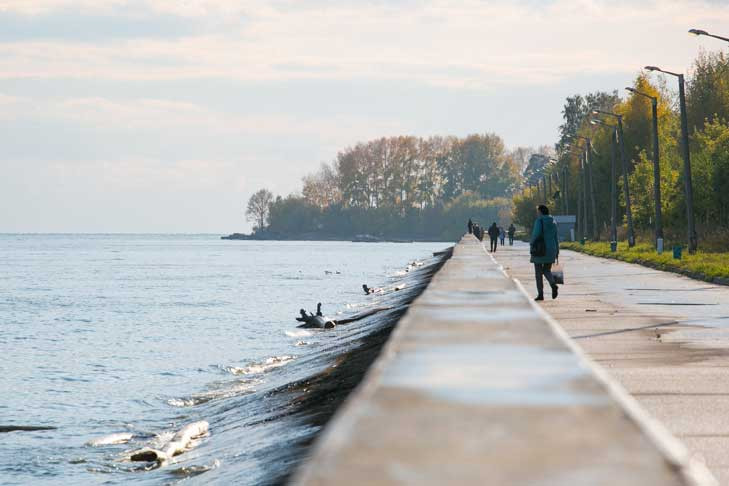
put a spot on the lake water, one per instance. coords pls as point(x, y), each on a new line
point(143, 334)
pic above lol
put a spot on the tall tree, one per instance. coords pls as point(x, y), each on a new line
point(707, 94)
point(259, 207)
point(322, 189)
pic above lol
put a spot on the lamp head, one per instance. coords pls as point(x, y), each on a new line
point(632, 90)
point(652, 68)
point(698, 32)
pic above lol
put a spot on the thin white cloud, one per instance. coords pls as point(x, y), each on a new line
point(469, 44)
point(162, 115)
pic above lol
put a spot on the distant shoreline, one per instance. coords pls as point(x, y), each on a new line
point(320, 237)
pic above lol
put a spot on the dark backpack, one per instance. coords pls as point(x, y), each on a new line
point(539, 247)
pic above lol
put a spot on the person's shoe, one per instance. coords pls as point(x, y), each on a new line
point(555, 292)
point(539, 297)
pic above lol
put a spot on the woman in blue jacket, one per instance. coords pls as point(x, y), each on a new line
point(544, 254)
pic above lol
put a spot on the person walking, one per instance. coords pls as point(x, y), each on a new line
point(502, 235)
point(470, 226)
point(544, 249)
point(512, 230)
point(493, 235)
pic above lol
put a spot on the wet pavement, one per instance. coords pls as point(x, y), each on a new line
point(478, 386)
point(663, 336)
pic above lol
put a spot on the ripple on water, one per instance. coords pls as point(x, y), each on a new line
point(227, 390)
point(194, 470)
point(262, 367)
point(298, 333)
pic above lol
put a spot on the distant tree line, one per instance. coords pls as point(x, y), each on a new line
point(401, 187)
point(707, 99)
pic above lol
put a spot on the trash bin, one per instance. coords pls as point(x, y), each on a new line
point(613, 246)
point(583, 240)
point(677, 252)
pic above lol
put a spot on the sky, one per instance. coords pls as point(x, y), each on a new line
point(164, 116)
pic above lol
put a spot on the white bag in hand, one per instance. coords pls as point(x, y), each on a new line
point(558, 272)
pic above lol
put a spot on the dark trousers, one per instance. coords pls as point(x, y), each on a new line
point(494, 242)
point(546, 270)
point(511, 240)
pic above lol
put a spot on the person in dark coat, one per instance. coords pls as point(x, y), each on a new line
point(512, 230)
point(493, 236)
point(546, 228)
point(502, 235)
point(470, 226)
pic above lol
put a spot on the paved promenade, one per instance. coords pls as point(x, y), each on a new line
point(478, 386)
point(664, 337)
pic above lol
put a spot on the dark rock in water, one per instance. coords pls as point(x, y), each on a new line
point(318, 322)
point(238, 236)
point(145, 455)
point(25, 428)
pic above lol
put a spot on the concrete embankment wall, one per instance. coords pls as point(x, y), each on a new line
point(478, 386)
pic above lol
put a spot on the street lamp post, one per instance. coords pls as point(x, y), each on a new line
point(656, 169)
point(583, 169)
point(698, 32)
point(626, 185)
point(581, 196)
point(564, 192)
point(588, 165)
point(688, 186)
point(580, 227)
point(549, 184)
point(613, 182)
point(613, 190)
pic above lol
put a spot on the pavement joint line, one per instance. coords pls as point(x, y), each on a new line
point(620, 331)
point(680, 394)
point(675, 303)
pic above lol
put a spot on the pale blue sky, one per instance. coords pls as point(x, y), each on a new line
point(164, 116)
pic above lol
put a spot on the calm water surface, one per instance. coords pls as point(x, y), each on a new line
point(143, 334)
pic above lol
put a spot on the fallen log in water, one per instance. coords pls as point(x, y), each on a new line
point(180, 443)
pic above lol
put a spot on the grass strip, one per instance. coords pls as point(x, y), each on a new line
point(710, 267)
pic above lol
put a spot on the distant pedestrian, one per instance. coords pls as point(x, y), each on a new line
point(470, 226)
point(512, 230)
point(544, 249)
point(502, 235)
point(478, 231)
point(493, 236)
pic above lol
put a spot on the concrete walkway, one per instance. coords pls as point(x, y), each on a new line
point(663, 336)
point(478, 386)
